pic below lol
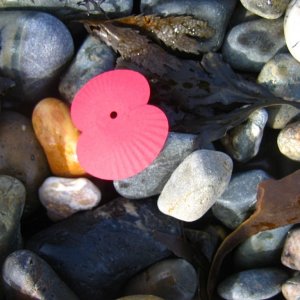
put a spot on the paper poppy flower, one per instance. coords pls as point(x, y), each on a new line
point(120, 133)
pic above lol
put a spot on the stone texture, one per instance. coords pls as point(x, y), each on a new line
point(171, 279)
point(27, 276)
point(290, 256)
point(248, 46)
point(35, 46)
point(195, 185)
point(238, 201)
point(243, 141)
point(21, 156)
point(93, 58)
point(63, 197)
point(151, 181)
point(96, 252)
point(291, 288)
point(254, 284)
point(140, 297)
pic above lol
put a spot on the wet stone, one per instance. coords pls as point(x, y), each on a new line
point(290, 256)
point(243, 141)
point(266, 8)
point(195, 185)
point(216, 12)
point(254, 284)
point(35, 47)
point(171, 279)
point(140, 297)
point(151, 181)
point(63, 197)
point(241, 15)
point(238, 201)
point(27, 276)
point(291, 288)
point(248, 46)
point(262, 249)
point(96, 252)
point(93, 58)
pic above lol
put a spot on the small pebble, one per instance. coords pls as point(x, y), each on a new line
point(151, 181)
point(27, 276)
point(63, 197)
point(254, 284)
point(238, 201)
point(243, 141)
point(195, 185)
point(248, 46)
point(290, 256)
point(291, 288)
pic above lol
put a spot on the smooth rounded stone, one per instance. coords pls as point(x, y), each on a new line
point(254, 284)
point(93, 58)
point(262, 249)
point(152, 180)
point(216, 12)
point(243, 141)
point(238, 201)
point(62, 197)
point(266, 8)
point(171, 279)
point(291, 22)
point(281, 75)
point(195, 185)
point(291, 288)
point(21, 156)
point(35, 47)
point(98, 251)
point(140, 297)
point(27, 276)
point(248, 46)
point(290, 256)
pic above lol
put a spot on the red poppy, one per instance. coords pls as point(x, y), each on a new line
point(120, 133)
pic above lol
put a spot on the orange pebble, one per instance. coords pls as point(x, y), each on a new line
point(56, 133)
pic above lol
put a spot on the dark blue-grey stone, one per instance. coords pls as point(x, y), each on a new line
point(96, 252)
point(216, 12)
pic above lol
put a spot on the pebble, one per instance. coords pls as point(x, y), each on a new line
point(241, 15)
point(35, 47)
point(98, 251)
point(216, 12)
point(151, 181)
point(290, 256)
point(93, 58)
point(140, 297)
point(243, 141)
point(248, 46)
point(171, 279)
point(195, 185)
point(27, 276)
point(58, 136)
point(288, 141)
point(62, 197)
point(281, 75)
point(238, 201)
point(266, 8)
point(21, 156)
point(254, 284)
point(291, 288)
point(262, 249)
point(292, 21)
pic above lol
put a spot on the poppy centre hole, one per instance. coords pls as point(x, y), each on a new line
point(113, 114)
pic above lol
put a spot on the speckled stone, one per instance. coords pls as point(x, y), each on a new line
point(174, 279)
point(238, 201)
point(243, 141)
point(248, 46)
point(216, 12)
point(35, 47)
point(262, 249)
point(290, 256)
point(27, 276)
point(151, 181)
point(254, 284)
point(93, 58)
point(195, 185)
point(291, 288)
point(265, 8)
point(62, 197)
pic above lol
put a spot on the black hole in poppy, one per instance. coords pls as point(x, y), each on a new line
point(113, 114)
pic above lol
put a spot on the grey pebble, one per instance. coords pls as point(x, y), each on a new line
point(290, 256)
point(291, 288)
point(238, 201)
point(151, 181)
